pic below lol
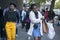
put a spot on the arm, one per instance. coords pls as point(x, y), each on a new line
point(17, 15)
point(40, 16)
point(4, 19)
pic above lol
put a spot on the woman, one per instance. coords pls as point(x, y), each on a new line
point(27, 19)
point(36, 23)
point(10, 18)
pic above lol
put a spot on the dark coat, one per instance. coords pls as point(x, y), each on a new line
point(2, 25)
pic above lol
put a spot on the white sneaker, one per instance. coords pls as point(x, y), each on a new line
point(29, 38)
point(16, 35)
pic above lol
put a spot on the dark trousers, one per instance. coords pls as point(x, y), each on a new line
point(23, 24)
point(27, 26)
point(3, 34)
point(16, 30)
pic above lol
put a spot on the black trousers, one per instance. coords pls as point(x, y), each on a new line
point(27, 26)
point(23, 24)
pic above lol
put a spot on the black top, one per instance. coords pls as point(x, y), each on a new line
point(51, 15)
point(11, 16)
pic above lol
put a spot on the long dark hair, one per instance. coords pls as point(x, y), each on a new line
point(32, 6)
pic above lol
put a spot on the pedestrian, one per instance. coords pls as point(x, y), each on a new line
point(35, 24)
point(6, 10)
point(27, 19)
point(1, 11)
point(10, 18)
point(2, 26)
point(46, 15)
point(23, 16)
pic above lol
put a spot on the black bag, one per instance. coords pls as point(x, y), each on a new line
point(36, 24)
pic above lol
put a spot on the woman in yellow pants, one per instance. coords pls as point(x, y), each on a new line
point(11, 16)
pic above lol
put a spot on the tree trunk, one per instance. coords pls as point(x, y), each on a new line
point(52, 5)
point(19, 4)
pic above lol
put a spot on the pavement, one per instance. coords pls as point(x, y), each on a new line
point(22, 34)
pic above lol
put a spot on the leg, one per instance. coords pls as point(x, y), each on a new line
point(37, 38)
point(8, 31)
point(27, 27)
point(13, 32)
point(16, 30)
point(23, 24)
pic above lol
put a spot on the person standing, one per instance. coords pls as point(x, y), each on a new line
point(2, 26)
point(27, 19)
point(6, 10)
point(47, 14)
point(10, 18)
point(1, 14)
point(23, 16)
point(35, 24)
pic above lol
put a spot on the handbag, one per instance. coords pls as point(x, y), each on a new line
point(28, 20)
point(35, 26)
point(44, 27)
point(51, 32)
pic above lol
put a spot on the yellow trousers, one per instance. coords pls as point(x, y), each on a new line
point(11, 30)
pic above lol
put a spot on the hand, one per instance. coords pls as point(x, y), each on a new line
point(43, 18)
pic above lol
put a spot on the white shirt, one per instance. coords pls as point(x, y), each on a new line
point(23, 14)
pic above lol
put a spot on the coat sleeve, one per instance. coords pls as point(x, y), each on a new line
point(17, 15)
point(40, 15)
point(33, 19)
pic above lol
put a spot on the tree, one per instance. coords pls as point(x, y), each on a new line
point(37, 2)
point(52, 5)
point(5, 3)
point(19, 4)
point(57, 4)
